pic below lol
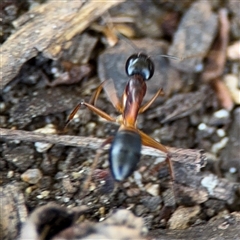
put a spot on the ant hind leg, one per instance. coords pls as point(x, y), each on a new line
point(94, 164)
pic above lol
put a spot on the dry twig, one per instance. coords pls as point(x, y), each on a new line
point(49, 29)
point(216, 62)
point(195, 159)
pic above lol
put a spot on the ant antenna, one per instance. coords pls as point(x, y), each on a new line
point(124, 38)
point(168, 56)
point(119, 35)
point(109, 23)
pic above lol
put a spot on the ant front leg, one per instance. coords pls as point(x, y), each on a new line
point(94, 109)
point(111, 92)
point(150, 102)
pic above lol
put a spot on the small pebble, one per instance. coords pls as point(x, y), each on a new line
point(11, 10)
point(219, 118)
point(210, 182)
point(48, 129)
point(28, 190)
point(10, 174)
point(59, 175)
point(221, 133)
point(182, 216)
point(90, 127)
point(3, 121)
point(152, 189)
point(205, 130)
point(233, 51)
point(76, 175)
point(223, 113)
point(65, 199)
point(152, 203)
point(138, 179)
point(31, 176)
point(42, 147)
point(233, 170)
point(220, 145)
point(39, 197)
point(133, 192)
point(223, 226)
point(2, 106)
point(202, 126)
point(231, 82)
point(139, 210)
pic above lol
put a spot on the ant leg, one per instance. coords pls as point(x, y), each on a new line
point(111, 92)
point(112, 95)
point(92, 108)
point(95, 161)
point(72, 114)
point(149, 103)
point(94, 97)
point(150, 142)
point(99, 112)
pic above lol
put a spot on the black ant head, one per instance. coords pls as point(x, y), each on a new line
point(140, 64)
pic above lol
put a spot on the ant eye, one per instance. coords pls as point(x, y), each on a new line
point(140, 64)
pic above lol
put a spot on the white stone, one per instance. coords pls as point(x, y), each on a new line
point(233, 51)
point(210, 182)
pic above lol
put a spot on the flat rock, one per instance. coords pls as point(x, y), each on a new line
point(194, 37)
point(21, 157)
point(44, 102)
point(182, 216)
point(230, 155)
point(112, 66)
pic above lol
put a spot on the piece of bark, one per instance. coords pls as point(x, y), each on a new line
point(44, 102)
point(13, 211)
point(197, 189)
point(216, 58)
point(21, 157)
point(219, 188)
point(223, 94)
point(195, 159)
point(182, 105)
point(74, 74)
point(194, 37)
point(49, 29)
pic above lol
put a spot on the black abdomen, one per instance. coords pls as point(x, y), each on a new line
point(124, 154)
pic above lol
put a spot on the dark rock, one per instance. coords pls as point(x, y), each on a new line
point(194, 37)
point(230, 155)
point(22, 157)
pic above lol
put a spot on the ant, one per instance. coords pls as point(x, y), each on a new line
point(124, 153)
